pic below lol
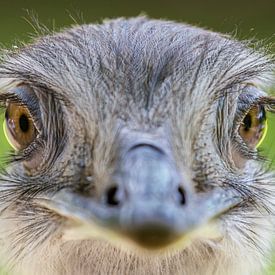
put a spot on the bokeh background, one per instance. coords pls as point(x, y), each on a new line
point(244, 19)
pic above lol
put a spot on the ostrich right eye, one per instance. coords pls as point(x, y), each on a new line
point(254, 126)
point(19, 127)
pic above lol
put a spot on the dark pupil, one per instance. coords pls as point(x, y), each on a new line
point(24, 123)
point(247, 122)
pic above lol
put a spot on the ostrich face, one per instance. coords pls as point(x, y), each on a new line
point(136, 140)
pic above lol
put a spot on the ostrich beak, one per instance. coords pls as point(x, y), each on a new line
point(150, 205)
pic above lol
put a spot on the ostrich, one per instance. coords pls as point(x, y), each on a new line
point(136, 152)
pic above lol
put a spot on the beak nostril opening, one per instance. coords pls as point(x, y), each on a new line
point(112, 196)
point(182, 197)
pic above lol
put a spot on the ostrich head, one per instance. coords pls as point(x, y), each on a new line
point(136, 152)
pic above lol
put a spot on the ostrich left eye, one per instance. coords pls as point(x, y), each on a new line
point(254, 126)
point(19, 127)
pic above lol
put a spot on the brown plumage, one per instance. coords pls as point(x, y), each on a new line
point(136, 152)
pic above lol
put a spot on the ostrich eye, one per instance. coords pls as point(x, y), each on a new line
point(254, 126)
point(19, 127)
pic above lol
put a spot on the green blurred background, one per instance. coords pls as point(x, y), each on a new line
point(245, 19)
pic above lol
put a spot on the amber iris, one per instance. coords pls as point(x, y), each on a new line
point(18, 126)
point(254, 126)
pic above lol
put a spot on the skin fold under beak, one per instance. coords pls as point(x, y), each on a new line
point(151, 205)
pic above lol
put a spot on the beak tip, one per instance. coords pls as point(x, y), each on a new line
point(152, 236)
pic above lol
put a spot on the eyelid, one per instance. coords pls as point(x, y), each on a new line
point(250, 95)
point(24, 96)
point(244, 107)
point(27, 97)
point(267, 101)
point(263, 136)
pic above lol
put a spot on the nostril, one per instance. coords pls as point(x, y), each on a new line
point(181, 196)
point(112, 197)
